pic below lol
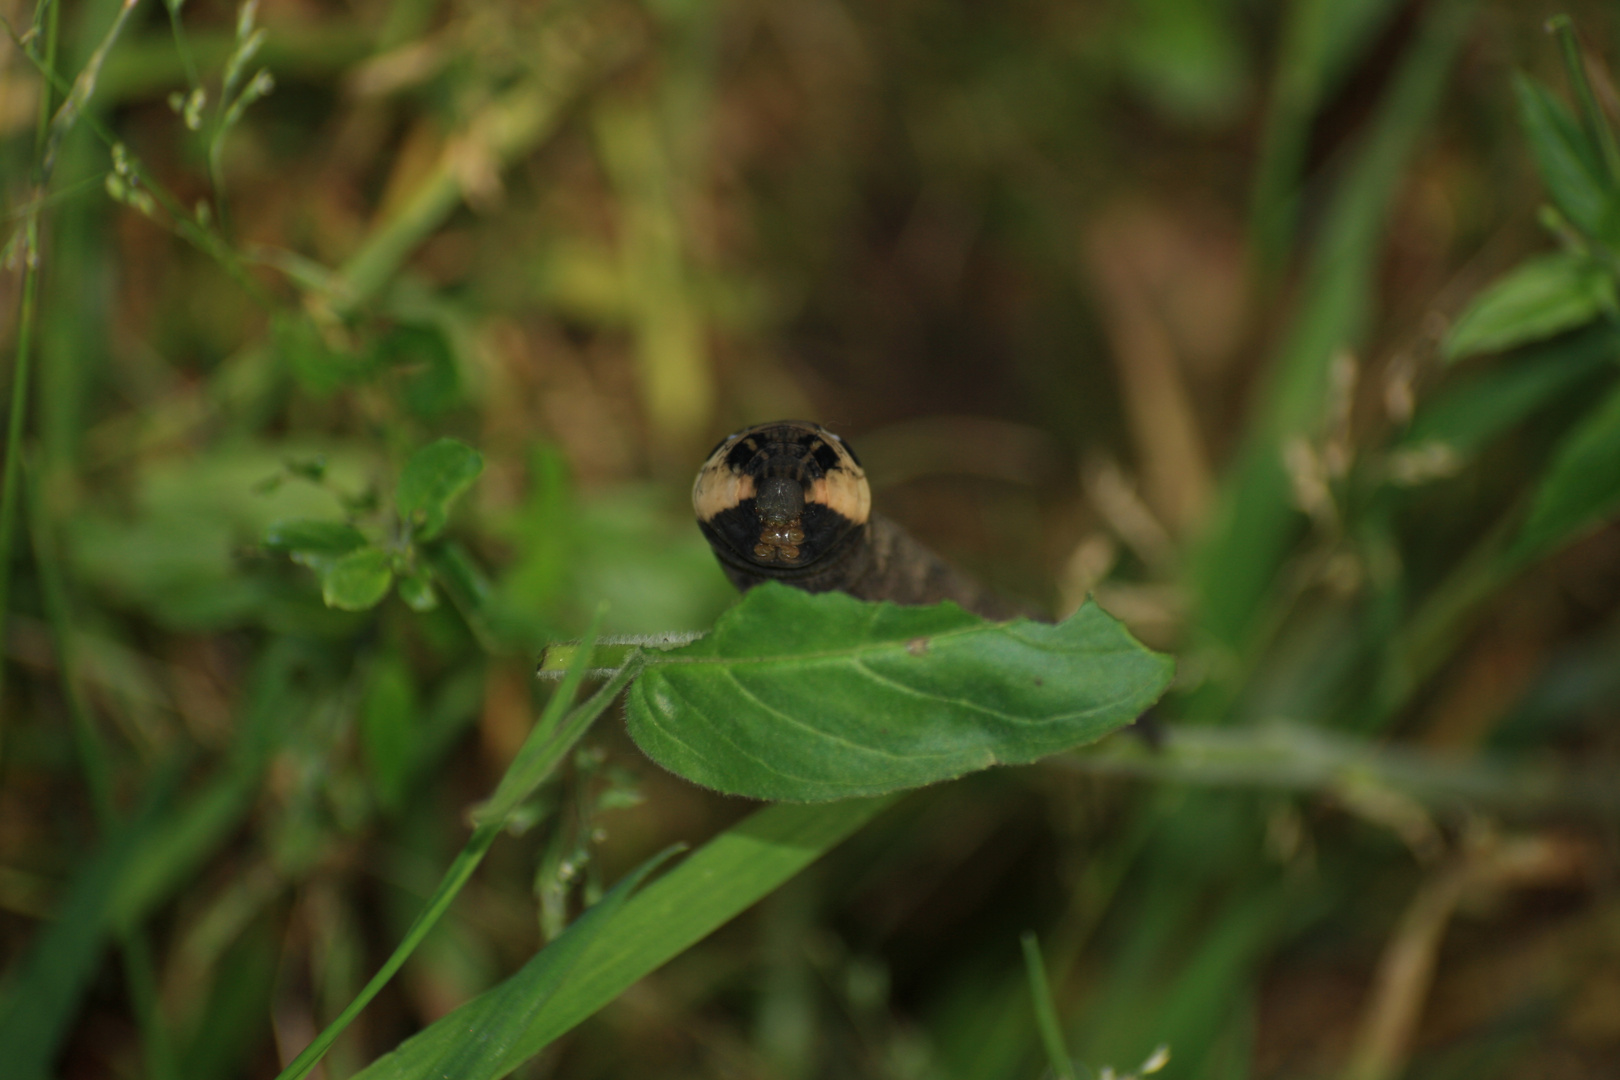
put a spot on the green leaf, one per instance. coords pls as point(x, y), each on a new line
point(432, 480)
point(485, 1038)
point(711, 886)
point(1569, 164)
point(315, 544)
point(424, 363)
point(318, 366)
point(1235, 569)
point(1582, 486)
point(1543, 297)
point(1466, 416)
point(806, 697)
point(358, 580)
point(416, 589)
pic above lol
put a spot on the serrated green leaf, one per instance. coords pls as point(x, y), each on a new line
point(434, 477)
point(806, 698)
point(357, 581)
point(1569, 164)
point(1542, 297)
point(1582, 486)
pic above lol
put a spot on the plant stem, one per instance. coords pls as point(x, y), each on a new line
point(18, 418)
point(554, 735)
point(11, 483)
point(1592, 119)
point(1293, 757)
point(96, 760)
point(1046, 1017)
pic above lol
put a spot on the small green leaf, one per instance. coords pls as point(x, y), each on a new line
point(318, 366)
point(433, 478)
point(423, 362)
point(813, 697)
point(416, 589)
point(330, 537)
point(1569, 164)
point(1540, 298)
point(1467, 414)
point(1582, 486)
point(315, 544)
point(358, 580)
point(462, 579)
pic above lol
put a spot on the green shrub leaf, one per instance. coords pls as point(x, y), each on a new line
point(806, 698)
point(416, 589)
point(434, 477)
point(1569, 164)
point(316, 544)
point(357, 581)
point(1543, 297)
point(1582, 486)
point(1466, 415)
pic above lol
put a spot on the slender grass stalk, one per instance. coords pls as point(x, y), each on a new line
point(176, 217)
point(96, 760)
point(12, 482)
point(1046, 1017)
point(1294, 757)
point(94, 757)
point(46, 17)
point(1592, 118)
point(84, 88)
point(140, 974)
point(181, 46)
point(553, 736)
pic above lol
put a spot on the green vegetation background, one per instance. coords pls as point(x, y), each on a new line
point(1146, 299)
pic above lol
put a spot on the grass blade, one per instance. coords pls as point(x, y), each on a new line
point(485, 1038)
point(548, 743)
point(1046, 1017)
point(1256, 522)
point(708, 889)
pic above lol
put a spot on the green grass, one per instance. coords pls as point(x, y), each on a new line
point(357, 354)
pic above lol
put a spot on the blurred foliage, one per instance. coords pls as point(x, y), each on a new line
point(1238, 315)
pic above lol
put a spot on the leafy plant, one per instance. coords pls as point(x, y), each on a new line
point(276, 277)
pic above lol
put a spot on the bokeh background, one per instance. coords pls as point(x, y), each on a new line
point(1060, 272)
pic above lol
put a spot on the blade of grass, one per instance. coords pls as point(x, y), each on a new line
point(1255, 522)
point(56, 971)
point(1319, 39)
point(713, 885)
point(1592, 118)
point(95, 759)
point(549, 742)
point(1293, 757)
point(1046, 1017)
point(11, 483)
point(484, 1039)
